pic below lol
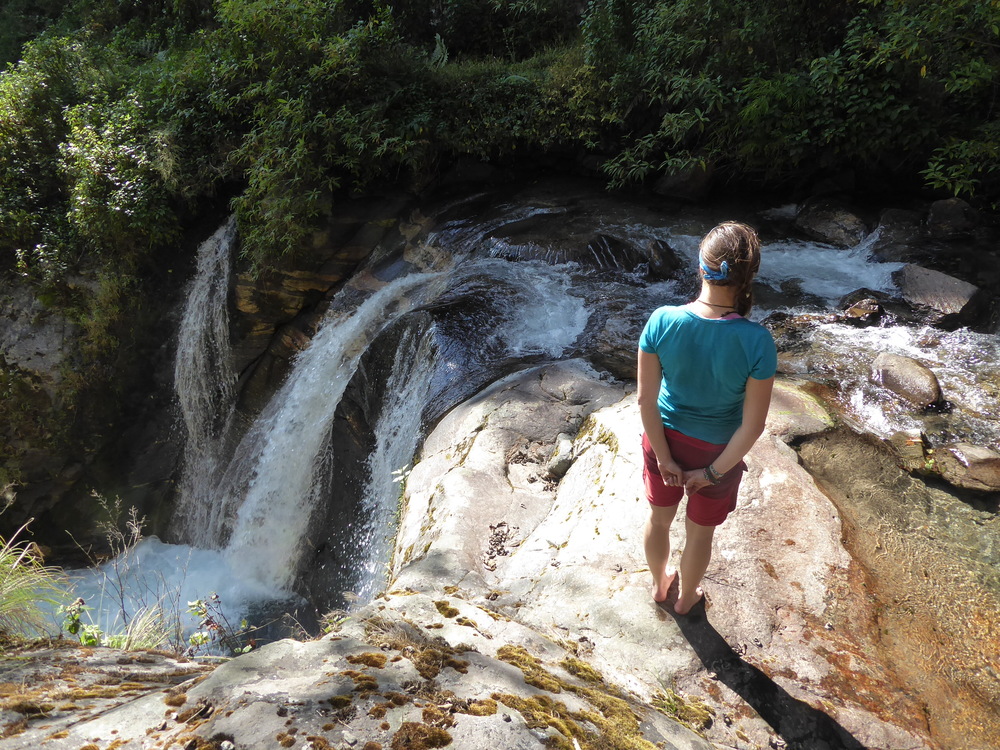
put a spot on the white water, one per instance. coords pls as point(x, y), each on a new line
point(823, 271)
point(204, 381)
point(282, 454)
point(398, 434)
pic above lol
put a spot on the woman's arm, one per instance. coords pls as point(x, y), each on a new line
point(756, 401)
point(650, 375)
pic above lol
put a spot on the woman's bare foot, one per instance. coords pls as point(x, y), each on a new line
point(661, 587)
point(685, 602)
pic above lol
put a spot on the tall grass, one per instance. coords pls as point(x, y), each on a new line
point(27, 586)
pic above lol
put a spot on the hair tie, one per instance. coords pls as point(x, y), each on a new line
point(721, 275)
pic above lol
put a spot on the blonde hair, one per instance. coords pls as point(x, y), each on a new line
point(738, 246)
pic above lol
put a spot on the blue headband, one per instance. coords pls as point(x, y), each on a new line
point(721, 275)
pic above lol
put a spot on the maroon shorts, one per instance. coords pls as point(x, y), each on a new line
point(710, 505)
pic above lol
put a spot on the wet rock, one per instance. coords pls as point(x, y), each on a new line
point(951, 217)
point(828, 221)
point(910, 448)
point(794, 413)
point(906, 378)
point(930, 560)
point(864, 312)
point(954, 300)
point(974, 467)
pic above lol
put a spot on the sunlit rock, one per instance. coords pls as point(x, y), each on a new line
point(907, 378)
point(972, 466)
point(955, 300)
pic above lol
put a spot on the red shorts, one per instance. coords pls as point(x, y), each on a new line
point(710, 505)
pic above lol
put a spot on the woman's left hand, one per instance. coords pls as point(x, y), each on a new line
point(695, 479)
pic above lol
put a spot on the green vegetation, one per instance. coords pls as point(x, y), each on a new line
point(26, 586)
point(113, 130)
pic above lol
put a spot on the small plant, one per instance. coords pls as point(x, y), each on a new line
point(215, 630)
point(26, 586)
point(88, 633)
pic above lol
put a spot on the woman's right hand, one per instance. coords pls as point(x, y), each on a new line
point(672, 474)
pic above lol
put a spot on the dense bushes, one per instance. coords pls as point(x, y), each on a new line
point(112, 135)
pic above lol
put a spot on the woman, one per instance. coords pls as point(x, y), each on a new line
point(705, 379)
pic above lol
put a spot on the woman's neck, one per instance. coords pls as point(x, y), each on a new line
point(720, 299)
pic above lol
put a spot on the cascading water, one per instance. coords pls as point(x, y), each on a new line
point(280, 456)
point(203, 379)
point(398, 433)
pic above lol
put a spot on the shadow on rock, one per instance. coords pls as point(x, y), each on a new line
point(799, 724)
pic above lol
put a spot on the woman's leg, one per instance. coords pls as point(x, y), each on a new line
point(694, 562)
point(657, 544)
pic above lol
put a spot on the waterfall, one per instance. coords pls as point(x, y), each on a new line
point(203, 379)
point(398, 434)
point(271, 489)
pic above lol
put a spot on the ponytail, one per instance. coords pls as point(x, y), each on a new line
point(730, 256)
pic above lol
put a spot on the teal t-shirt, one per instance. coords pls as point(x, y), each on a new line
point(706, 363)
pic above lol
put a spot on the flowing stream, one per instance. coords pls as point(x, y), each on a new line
point(250, 495)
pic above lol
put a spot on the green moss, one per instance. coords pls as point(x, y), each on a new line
point(415, 736)
point(487, 707)
point(369, 659)
point(582, 670)
point(445, 609)
point(615, 720)
point(540, 712)
point(340, 701)
point(534, 673)
point(690, 711)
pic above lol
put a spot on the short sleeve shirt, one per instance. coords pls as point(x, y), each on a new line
point(706, 363)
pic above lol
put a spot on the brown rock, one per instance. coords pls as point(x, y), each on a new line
point(906, 378)
point(951, 217)
point(939, 291)
point(971, 466)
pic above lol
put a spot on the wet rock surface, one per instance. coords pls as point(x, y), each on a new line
point(907, 378)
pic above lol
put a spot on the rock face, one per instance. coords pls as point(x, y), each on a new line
point(907, 378)
point(33, 338)
point(923, 550)
point(566, 559)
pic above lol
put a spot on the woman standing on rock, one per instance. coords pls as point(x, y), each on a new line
point(705, 379)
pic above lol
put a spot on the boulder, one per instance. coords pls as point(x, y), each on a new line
point(828, 221)
point(907, 378)
point(951, 217)
point(974, 467)
point(930, 559)
point(954, 300)
point(565, 558)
